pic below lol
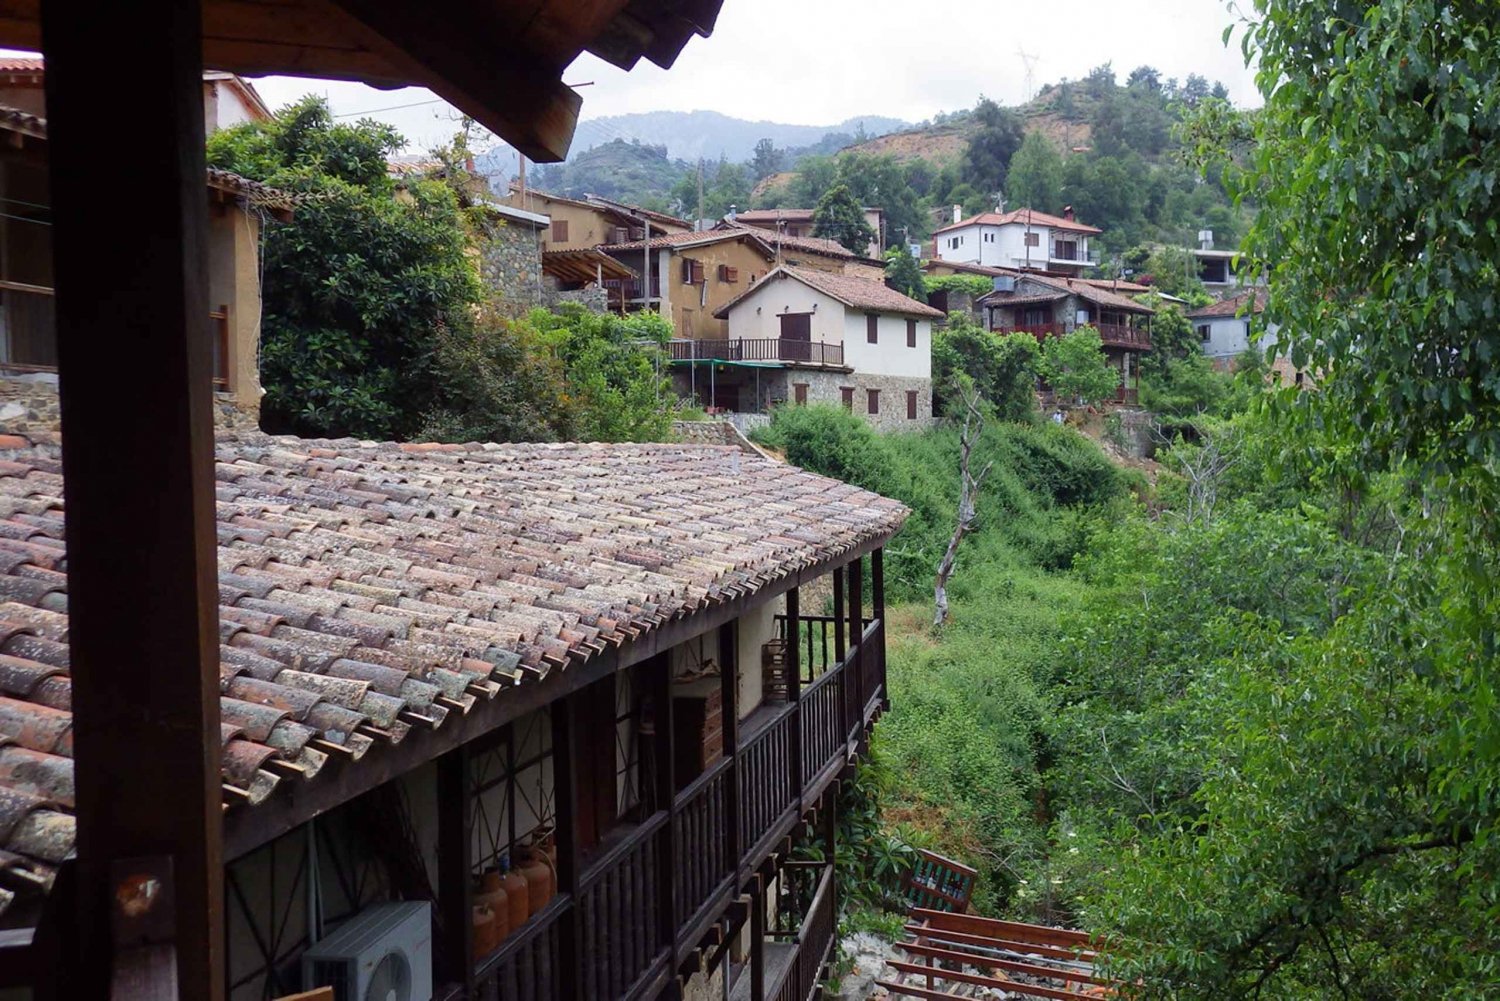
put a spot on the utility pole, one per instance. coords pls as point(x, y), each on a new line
point(697, 222)
point(646, 271)
point(1030, 62)
point(522, 158)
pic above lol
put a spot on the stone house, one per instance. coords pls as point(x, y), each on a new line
point(801, 336)
point(238, 210)
point(1050, 306)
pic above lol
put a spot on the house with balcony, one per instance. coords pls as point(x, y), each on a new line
point(799, 222)
point(1049, 306)
point(238, 208)
point(800, 336)
point(1022, 238)
point(527, 696)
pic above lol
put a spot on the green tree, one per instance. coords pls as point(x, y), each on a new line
point(1003, 368)
point(1036, 175)
point(767, 161)
point(840, 217)
point(358, 283)
point(1076, 367)
point(902, 273)
point(991, 146)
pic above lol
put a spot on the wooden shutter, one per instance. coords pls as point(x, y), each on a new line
point(911, 404)
point(911, 333)
point(872, 328)
point(799, 393)
point(873, 395)
point(697, 273)
point(728, 274)
point(559, 231)
point(847, 395)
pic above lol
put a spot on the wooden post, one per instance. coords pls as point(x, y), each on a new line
point(133, 329)
point(877, 598)
point(758, 939)
point(840, 647)
point(657, 674)
point(565, 791)
point(794, 687)
point(855, 591)
point(455, 957)
point(729, 697)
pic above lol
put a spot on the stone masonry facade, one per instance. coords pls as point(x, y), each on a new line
point(828, 387)
point(510, 262)
point(29, 406)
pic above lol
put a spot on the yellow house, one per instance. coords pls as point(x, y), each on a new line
point(238, 208)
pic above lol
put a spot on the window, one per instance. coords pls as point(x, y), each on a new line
point(1203, 331)
point(692, 271)
point(872, 328)
point(1033, 239)
point(873, 396)
point(847, 396)
point(911, 333)
point(799, 393)
point(728, 275)
point(911, 404)
point(559, 231)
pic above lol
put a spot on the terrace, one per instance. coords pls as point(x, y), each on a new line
point(771, 350)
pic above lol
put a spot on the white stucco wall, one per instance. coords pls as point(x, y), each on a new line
point(890, 355)
point(1005, 246)
point(1229, 336)
point(759, 314)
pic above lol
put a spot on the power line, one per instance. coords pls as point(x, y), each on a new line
point(394, 107)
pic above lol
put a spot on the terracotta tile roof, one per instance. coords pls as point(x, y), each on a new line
point(1022, 217)
point(856, 293)
point(809, 244)
point(1085, 290)
point(370, 591)
point(752, 216)
point(707, 238)
point(1256, 298)
point(21, 65)
point(254, 192)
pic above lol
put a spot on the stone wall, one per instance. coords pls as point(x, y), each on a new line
point(714, 433)
point(827, 387)
point(510, 263)
point(592, 298)
point(29, 406)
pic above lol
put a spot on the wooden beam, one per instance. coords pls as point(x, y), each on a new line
point(456, 49)
point(990, 942)
point(1059, 937)
point(998, 983)
point(139, 493)
point(984, 962)
point(455, 953)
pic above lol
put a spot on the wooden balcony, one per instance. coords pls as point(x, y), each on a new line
point(814, 354)
point(1120, 335)
point(646, 898)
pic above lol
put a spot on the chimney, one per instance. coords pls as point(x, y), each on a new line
point(1068, 212)
point(733, 213)
point(958, 213)
point(1205, 239)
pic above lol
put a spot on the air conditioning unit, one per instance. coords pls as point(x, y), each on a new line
point(1005, 283)
point(384, 953)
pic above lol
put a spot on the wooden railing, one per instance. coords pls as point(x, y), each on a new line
point(765, 776)
point(668, 875)
point(619, 914)
point(528, 964)
point(813, 936)
point(774, 349)
point(1123, 335)
point(701, 841)
point(1041, 331)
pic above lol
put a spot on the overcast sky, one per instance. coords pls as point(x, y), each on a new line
point(819, 62)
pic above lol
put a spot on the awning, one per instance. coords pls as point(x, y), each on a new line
point(583, 266)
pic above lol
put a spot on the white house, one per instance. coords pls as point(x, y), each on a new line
point(1223, 327)
point(1023, 238)
point(803, 336)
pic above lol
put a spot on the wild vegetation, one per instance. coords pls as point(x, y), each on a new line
point(1243, 724)
point(375, 323)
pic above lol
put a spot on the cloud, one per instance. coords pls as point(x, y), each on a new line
point(818, 62)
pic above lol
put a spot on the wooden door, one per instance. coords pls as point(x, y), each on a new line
point(796, 337)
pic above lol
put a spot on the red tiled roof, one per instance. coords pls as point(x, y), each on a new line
point(856, 293)
point(808, 244)
point(1022, 217)
point(1088, 291)
point(752, 216)
point(682, 240)
point(369, 591)
point(1232, 305)
point(19, 65)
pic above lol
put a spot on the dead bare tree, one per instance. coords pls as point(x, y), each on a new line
point(967, 498)
point(1203, 468)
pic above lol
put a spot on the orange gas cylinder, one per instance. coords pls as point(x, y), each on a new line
point(514, 885)
point(485, 939)
point(540, 883)
point(493, 896)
